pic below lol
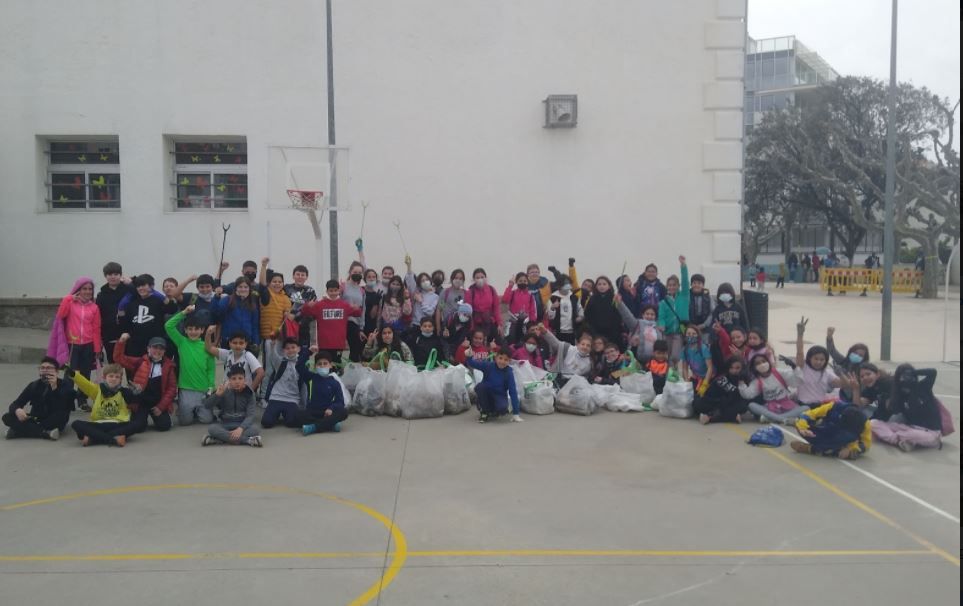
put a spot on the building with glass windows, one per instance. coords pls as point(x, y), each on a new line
point(779, 73)
point(782, 72)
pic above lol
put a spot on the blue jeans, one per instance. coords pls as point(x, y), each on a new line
point(276, 409)
point(493, 403)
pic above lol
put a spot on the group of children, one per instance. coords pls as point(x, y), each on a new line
point(260, 329)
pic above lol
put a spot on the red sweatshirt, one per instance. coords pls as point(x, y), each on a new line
point(332, 318)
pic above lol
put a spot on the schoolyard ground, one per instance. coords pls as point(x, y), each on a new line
point(623, 509)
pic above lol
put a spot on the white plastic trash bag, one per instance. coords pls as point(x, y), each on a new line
point(624, 401)
point(423, 396)
point(353, 374)
point(657, 402)
point(456, 390)
point(525, 373)
point(399, 375)
point(640, 383)
point(601, 394)
point(344, 391)
point(677, 400)
point(576, 397)
point(539, 399)
point(369, 395)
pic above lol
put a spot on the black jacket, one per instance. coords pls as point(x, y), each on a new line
point(602, 318)
point(43, 400)
point(107, 301)
point(421, 347)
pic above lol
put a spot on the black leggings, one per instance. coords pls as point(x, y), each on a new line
point(355, 344)
point(102, 433)
point(35, 428)
point(82, 360)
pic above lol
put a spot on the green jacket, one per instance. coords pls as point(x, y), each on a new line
point(196, 368)
point(674, 311)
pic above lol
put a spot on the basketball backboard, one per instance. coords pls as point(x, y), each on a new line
point(323, 169)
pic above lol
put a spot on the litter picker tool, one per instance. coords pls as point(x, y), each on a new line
point(226, 227)
point(359, 243)
point(403, 245)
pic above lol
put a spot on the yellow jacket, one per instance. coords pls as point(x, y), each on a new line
point(860, 445)
point(545, 292)
point(112, 409)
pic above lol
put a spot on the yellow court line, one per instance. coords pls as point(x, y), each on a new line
point(812, 475)
point(522, 553)
point(398, 556)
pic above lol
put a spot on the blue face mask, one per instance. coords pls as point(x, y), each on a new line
point(323, 371)
point(427, 334)
point(855, 358)
point(692, 340)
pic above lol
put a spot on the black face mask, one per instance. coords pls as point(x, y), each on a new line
point(437, 281)
point(356, 278)
point(250, 275)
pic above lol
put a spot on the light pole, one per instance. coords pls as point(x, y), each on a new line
point(889, 237)
point(332, 153)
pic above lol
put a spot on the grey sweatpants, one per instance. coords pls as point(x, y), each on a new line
point(760, 410)
point(221, 431)
point(190, 404)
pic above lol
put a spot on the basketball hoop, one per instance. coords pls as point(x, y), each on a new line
point(306, 200)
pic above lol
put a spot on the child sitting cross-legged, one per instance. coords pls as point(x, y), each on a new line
point(325, 409)
point(722, 402)
point(237, 411)
point(109, 417)
point(496, 388)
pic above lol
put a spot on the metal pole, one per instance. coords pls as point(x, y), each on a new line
point(332, 159)
point(946, 295)
point(889, 237)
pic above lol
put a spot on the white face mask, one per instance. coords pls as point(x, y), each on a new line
point(647, 323)
point(725, 297)
point(457, 283)
point(463, 318)
point(565, 289)
point(762, 367)
point(371, 284)
point(480, 282)
point(530, 347)
point(426, 285)
point(206, 296)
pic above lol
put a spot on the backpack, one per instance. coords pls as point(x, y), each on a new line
point(769, 436)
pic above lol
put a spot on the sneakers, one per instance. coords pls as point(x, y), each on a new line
point(517, 419)
point(704, 419)
point(11, 434)
point(906, 446)
point(309, 429)
point(209, 440)
point(801, 447)
point(255, 441)
point(337, 427)
point(483, 417)
point(53, 434)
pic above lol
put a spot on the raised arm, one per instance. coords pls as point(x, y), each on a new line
point(837, 357)
point(800, 331)
point(178, 293)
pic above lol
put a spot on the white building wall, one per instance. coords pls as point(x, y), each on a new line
point(439, 103)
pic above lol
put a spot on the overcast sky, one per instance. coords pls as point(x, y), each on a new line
point(853, 36)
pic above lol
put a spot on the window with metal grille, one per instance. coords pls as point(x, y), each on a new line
point(83, 174)
point(209, 175)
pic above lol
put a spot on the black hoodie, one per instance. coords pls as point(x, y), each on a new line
point(107, 301)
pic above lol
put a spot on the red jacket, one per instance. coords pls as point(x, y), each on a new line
point(141, 368)
point(332, 318)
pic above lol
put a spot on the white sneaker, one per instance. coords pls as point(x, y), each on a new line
point(517, 419)
point(53, 434)
point(255, 441)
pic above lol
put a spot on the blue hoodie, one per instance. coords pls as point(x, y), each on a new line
point(498, 380)
point(324, 393)
point(238, 318)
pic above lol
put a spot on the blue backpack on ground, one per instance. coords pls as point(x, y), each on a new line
point(770, 437)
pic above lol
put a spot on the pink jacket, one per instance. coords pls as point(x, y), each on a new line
point(486, 308)
point(82, 319)
point(520, 301)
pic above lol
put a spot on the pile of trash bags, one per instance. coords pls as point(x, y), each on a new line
point(404, 391)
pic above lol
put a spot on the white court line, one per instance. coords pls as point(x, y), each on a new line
point(946, 395)
point(883, 482)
